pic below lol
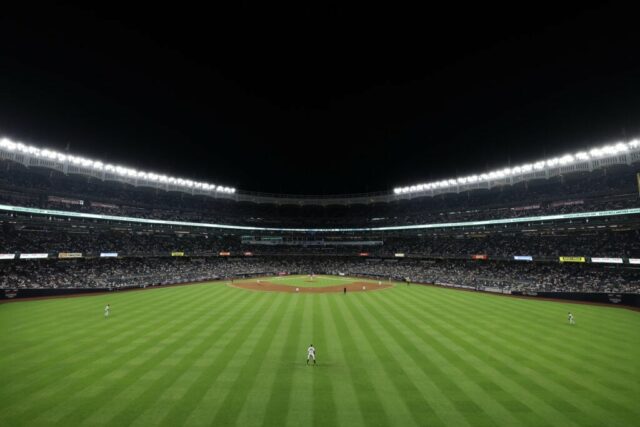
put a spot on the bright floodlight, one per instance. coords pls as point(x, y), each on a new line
point(9, 145)
point(567, 159)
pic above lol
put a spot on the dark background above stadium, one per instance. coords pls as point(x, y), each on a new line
point(316, 98)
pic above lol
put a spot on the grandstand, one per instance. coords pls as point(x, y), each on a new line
point(566, 225)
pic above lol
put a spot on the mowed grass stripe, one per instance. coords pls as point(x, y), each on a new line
point(441, 390)
point(475, 405)
point(574, 374)
point(559, 360)
point(198, 387)
point(348, 397)
point(58, 384)
point(557, 395)
point(545, 311)
point(580, 344)
point(555, 401)
point(452, 339)
point(274, 359)
point(229, 410)
point(324, 404)
point(44, 312)
point(161, 373)
point(387, 377)
point(449, 366)
point(373, 409)
point(439, 406)
point(299, 410)
point(279, 395)
point(536, 321)
point(583, 359)
point(89, 309)
point(69, 347)
point(545, 359)
point(120, 373)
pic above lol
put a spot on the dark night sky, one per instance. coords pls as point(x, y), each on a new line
point(319, 99)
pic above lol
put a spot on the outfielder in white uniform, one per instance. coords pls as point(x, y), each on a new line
point(107, 311)
point(572, 321)
point(311, 354)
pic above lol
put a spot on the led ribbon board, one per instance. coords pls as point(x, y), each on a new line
point(69, 214)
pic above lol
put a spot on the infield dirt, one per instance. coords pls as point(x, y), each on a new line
point(274, 287)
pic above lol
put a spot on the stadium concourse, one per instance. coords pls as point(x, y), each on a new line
point(566, 227)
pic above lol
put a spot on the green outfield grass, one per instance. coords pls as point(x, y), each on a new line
point(213, 355)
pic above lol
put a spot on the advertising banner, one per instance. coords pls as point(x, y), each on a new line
point(525, 208)
point(108, 254)
point(572, 259)
point(104, 205)
point(248, 254)
point(363, 254)
point(634, 260)
point(400, 255)
point(479, 256)
point(65, 201)
point(177, 253)
point(70, 255)
point(224, 253)
point(523, 258)
point(607, 260)
point(33, 256)
point(7, 256)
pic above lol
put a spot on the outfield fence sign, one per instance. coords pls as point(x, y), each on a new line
point(33, 256)
point(70, 255)
point(573, 259)
point(607, 260)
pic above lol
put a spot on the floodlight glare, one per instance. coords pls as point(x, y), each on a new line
point(567, 159)
point(8, 145)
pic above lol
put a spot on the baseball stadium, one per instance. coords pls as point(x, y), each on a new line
point(319, 216)
point(507, 298)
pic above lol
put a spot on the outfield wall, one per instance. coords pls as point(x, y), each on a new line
point(632, 300)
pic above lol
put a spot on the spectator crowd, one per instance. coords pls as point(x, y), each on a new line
point(603, 189)
point(482, 275)
point(437, 256)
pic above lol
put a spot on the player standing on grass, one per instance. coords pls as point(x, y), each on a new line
point(107, 311)
point(572, 321)
point(311, 354)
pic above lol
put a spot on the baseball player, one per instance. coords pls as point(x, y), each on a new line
point(572, 321)
point(107, 311)
point(311, 354)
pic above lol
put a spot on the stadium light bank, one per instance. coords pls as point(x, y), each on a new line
point(617, 153)
point(542, 165)
point(9, 145)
